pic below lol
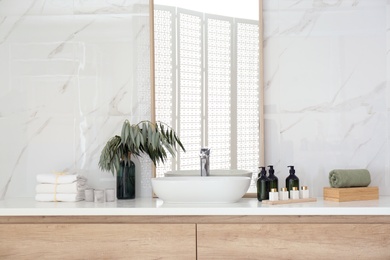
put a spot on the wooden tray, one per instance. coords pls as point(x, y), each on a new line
point(277, 202)
point(351, 194)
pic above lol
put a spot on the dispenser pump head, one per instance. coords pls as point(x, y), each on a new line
point(292, 170)
point(271, 169)
point(262, 171)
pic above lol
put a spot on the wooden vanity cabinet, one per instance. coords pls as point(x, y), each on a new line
point(195, 237)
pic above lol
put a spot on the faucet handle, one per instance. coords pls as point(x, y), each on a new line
point(205, 151)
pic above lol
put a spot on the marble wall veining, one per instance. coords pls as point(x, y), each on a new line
point(70, 73)
point(327, 74)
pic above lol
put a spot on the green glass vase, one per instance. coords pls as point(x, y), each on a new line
point(125, 181)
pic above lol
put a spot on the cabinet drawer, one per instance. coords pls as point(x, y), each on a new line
point(289, 241)
point(97, 241)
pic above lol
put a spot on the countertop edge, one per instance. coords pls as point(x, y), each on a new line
point(155, 207)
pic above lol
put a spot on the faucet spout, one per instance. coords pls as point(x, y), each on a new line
point(204, 162)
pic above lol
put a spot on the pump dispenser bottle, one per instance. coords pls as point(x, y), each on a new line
point(292, 180)
point(263, 188)
point(273, 180)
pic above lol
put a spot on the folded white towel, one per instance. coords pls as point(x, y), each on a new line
point(60, 178)
point(74, 187)
point(58, 197)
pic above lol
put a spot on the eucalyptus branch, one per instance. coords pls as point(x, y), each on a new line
point(146, 137)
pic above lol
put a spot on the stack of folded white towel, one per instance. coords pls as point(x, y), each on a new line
point(60, 187)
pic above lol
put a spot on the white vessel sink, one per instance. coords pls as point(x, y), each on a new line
point(182, 173)
point(197, 189)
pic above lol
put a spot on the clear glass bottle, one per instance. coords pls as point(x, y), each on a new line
point(263, 185)
point(273, 180)
point(292, 180)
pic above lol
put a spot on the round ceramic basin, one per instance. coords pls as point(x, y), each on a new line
point(197, 189)
point(182, 173)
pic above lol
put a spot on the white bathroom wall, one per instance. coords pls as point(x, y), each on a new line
point(70, 73)
point(327, 74)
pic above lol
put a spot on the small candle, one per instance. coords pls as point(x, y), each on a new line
point(110, 195)
point(89, 195)
point(99, 195)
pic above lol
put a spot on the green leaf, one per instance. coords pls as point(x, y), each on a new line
point(150, 136)
point(138, 140)
point(128, 128)
point(160, 155)
point(179, 142)
point(154, 134)
point(123, 133)
point(117, 163)
point(142, 141)
point(162, 128)
point(132, 136)
point(170, 150)
point(144, 131)
point(167, 135)
point(163, 152)
point(156, 140)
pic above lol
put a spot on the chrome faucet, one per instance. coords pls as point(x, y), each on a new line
point(204, 162)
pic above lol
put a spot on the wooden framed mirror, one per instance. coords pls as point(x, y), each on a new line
point(207, 81)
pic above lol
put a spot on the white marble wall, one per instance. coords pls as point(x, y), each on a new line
point(327, 91)
point(70, 73)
